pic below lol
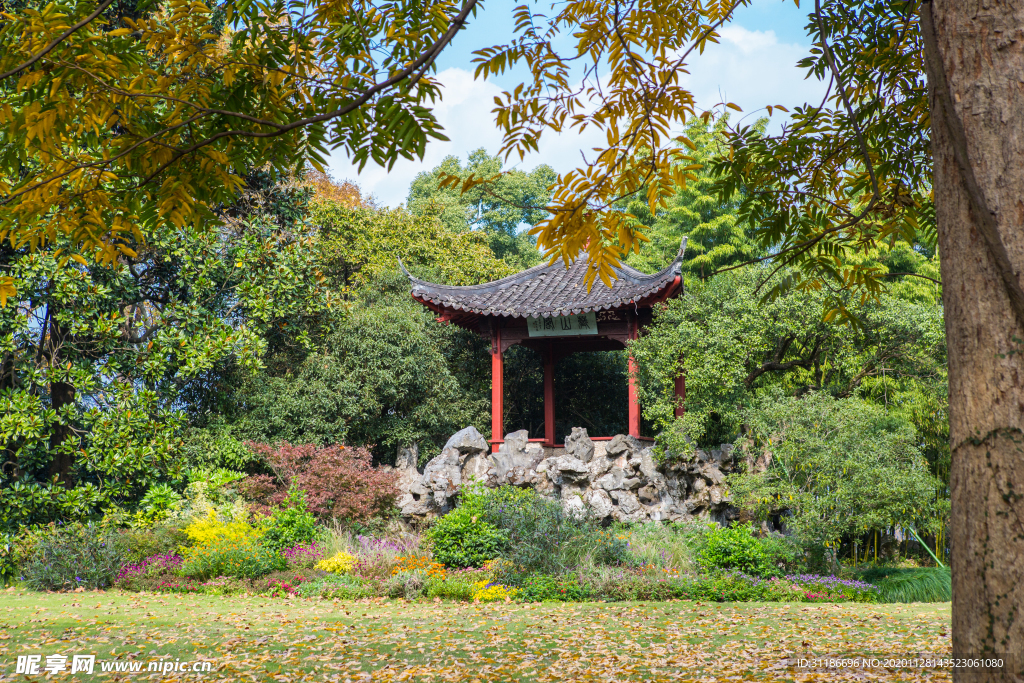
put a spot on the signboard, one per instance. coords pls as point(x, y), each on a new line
point(563, 325)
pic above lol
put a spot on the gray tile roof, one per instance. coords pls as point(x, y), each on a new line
point(548, 290)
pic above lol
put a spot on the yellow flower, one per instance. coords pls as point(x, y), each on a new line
point(339, 564)
point(493, 593)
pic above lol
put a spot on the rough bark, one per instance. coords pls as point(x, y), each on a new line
point(62, 394)
point(979, 45)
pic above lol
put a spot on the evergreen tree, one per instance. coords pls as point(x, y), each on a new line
point(517, 198)
point(715, 237)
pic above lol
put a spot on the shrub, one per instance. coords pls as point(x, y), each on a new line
point(8, 561)
point(926, 584)
point(736, 547)
point(671, 545)
point(211, 529)
point(378, 556)
point(408, 585)
point(291, 524)
point(818, 588)
point(283, 586)
point(241, 558)
point(73, 556)
point(225, 585)
point(162, 539)
point(339, 481)
point(216, 448)
point(836, 468)
point(419, 563)
point(541, 587)
point(454, 585)
point(341, 563)
point(159, 500)
point(542, 537)
point(259, 490)
point(462, 539)
point(337, 587)
point(132, 574)
point(303, 555)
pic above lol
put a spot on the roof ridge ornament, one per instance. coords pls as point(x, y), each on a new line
point(409, 275)
point(682, 249)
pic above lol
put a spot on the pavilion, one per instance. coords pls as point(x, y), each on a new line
point(549, 309)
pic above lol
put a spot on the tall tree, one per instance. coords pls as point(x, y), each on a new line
point(97, 358)
point(975, 60)
point(735, 346)
point(715, 235)
point(516, 199)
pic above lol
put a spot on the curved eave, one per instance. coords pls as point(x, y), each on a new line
point(451, 301)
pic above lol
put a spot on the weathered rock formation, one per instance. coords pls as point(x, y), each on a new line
point(609, 480)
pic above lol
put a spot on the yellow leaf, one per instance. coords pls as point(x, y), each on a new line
point(7, 289)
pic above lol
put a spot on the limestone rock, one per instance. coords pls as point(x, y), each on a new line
point(578, 445)
point(618, 479)
point(599, 465)
point(417, 501)
point(712, 474)
point(648, 495)
point(482, 468)
point(622, 443)
point(647, 465)
point(572, 503)
point(570, 470)
point(514, 445)
point(443, 476)
point(717, 495)
point(467, 442)
point(611, 481)
point(408, 457)
point(516, 461)
point(600, 504)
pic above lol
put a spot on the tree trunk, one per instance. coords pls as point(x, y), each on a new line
point(61, 394)
point(979, 44)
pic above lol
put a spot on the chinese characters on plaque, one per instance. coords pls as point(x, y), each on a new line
point(563, 325)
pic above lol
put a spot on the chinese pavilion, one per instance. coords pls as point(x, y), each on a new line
point(549, 309)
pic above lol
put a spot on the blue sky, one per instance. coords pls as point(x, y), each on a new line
point(754, 65)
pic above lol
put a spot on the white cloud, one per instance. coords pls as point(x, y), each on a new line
point(752, 69)
point(749, 68)
point(748, 41)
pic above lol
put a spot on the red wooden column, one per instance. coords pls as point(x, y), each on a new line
point(634, 404)
point(497, 390)
point(549, 396)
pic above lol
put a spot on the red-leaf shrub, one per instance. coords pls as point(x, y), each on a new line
point(261, 491)
point(340, 481)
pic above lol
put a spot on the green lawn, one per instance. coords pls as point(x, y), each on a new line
point(258, 638)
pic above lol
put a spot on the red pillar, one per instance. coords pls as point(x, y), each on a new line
point(497, 391)
point(634, 404)
point(549, 396)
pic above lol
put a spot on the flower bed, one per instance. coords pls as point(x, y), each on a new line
point(415, 576)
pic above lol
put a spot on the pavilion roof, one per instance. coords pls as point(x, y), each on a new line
point(549, 290)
